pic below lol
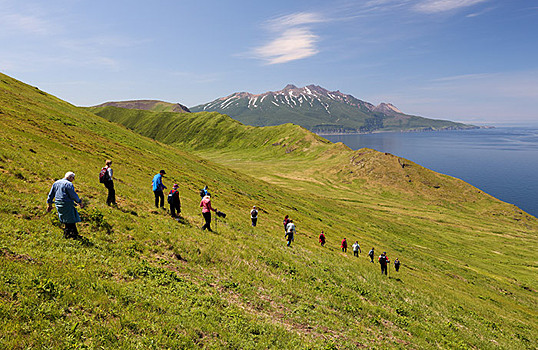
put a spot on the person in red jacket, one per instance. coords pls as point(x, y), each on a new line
point(384, 262)
point(322, 238)
point(206, 212)
point(344, 245)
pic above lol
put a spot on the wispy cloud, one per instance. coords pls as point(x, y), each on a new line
point(436, 6)
point(294, 38)
point(14, 23)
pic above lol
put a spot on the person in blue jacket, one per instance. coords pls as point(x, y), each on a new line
point(158, 188)
point(63, 195)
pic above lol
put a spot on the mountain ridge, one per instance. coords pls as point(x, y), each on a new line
point(149, 105)
point(321, 111)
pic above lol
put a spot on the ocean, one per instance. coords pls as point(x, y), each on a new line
point(502, 161)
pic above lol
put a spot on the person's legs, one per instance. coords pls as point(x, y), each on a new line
point(356, 252)
point(254, 221)
point(70, 231)
point(111, 199)
point(207, 218)
point(156, 198)
point(159, 197)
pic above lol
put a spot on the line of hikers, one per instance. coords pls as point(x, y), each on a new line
point(65, 198)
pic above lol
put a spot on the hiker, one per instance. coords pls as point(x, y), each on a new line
point(371, 255)
point(322, 238)
point(356, 248)
point(397, 265)
point(286, 222)
point(254, 216)
point(106, 178)
point(174, 201)
point(344, 245)
point(206, 212)
point(204, 192)
point(158, 188)
point(65, 197)
point(384, 262)
point(290, 232)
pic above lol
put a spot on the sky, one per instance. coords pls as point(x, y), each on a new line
point(464, 60)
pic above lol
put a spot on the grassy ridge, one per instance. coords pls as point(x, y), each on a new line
point(154, 283)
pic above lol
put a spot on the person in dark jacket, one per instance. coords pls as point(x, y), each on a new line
point(286, 222)
point(158, 188)
point(63, 195)
point(108, 181)
point(371, 255)
point(175, 202)
point(397, 265)
point(384, 262)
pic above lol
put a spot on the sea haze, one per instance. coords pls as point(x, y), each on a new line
point(502, 161)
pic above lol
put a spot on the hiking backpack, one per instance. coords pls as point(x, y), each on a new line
point(103, 175)
point(170, 197)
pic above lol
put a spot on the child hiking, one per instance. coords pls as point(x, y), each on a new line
point(174, 201)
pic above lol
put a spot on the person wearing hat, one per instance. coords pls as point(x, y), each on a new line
point(158, 188)
point(384, 262)
point(206, 212)
point(356, 248)
point(254, 216)
point(107, 178)
point(173, 200)
point(63, 194)
point(397, 265)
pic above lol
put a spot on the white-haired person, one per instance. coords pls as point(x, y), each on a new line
point(63, 195)
point(254, 216)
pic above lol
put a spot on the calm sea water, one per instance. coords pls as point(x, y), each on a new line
point(502, 161)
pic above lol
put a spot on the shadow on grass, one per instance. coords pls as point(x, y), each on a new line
point(84, 241)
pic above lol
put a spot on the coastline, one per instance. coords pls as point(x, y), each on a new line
point(402, 131)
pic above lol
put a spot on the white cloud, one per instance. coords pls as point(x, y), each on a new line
point(294, 38)
point(436, 6)
point(293, 44)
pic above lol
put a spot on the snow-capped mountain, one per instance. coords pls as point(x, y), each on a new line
point(319, 110)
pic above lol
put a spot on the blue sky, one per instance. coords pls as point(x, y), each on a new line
point(464, 60)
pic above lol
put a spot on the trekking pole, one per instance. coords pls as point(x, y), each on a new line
point(216, 223)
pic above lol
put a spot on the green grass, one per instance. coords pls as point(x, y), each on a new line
point(143, 280)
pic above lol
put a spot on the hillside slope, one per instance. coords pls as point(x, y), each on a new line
point(149, 105)
point(321, 111)
point(143, 280)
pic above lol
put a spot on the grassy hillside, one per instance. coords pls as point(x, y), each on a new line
point(150, 105)
point(143, 280)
